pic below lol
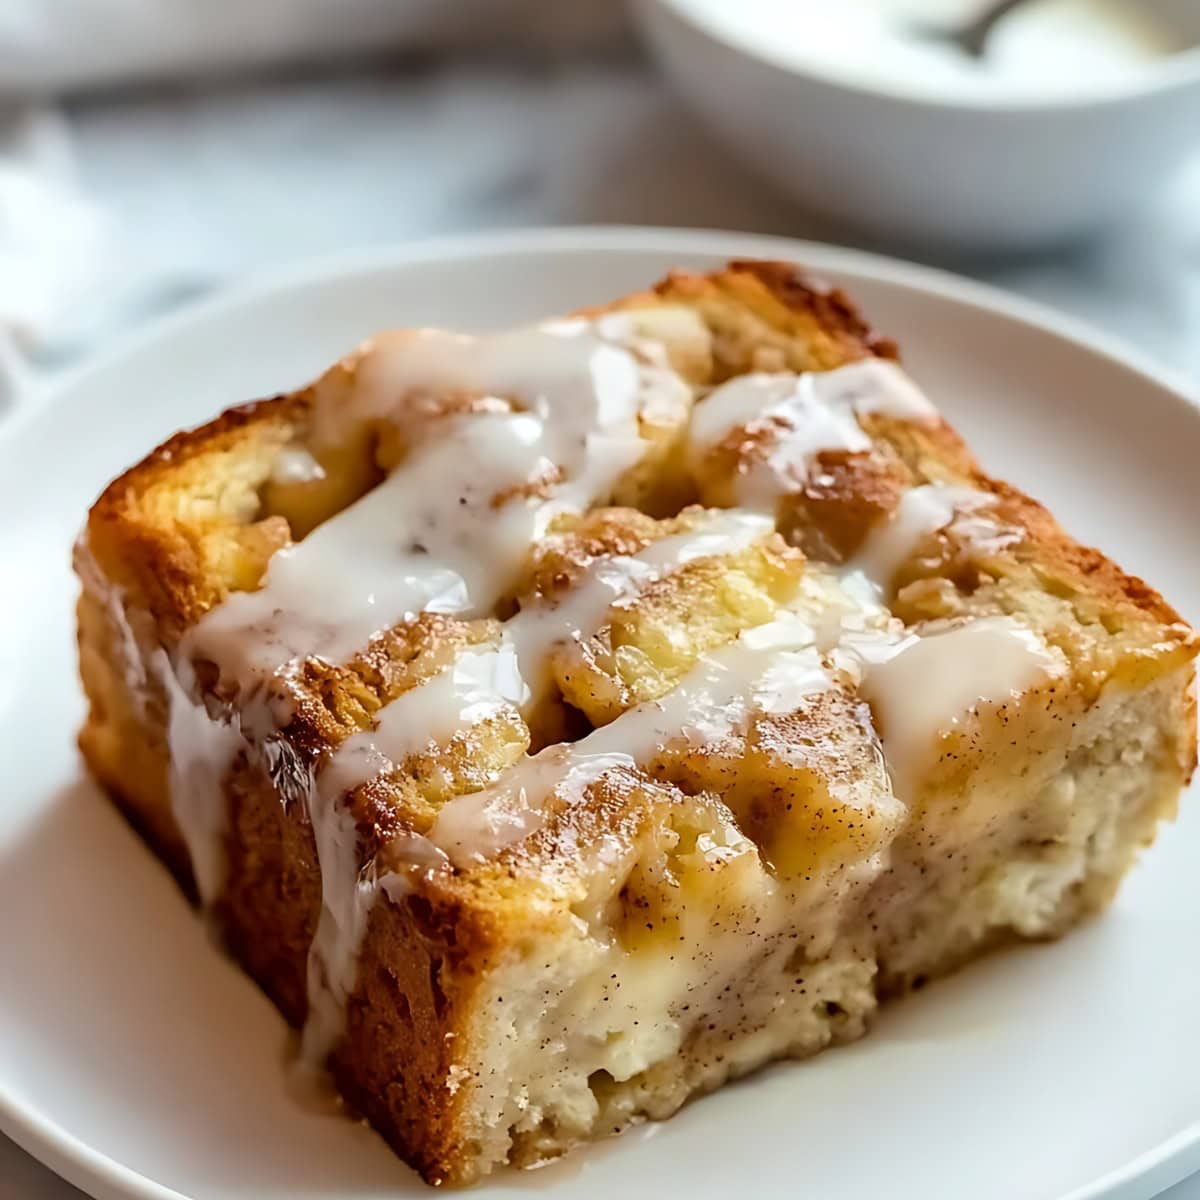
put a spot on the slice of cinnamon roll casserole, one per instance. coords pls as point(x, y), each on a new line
point(558, 723)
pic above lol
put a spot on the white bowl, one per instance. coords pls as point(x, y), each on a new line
point(962, 171)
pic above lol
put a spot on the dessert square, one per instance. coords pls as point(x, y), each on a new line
point(561, 722)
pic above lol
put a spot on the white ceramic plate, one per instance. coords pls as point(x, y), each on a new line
point(137, 1062)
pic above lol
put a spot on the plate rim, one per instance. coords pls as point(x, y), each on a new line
point(103, 1177)
point(257, 285)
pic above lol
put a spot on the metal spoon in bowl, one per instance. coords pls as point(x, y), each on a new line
point(971, 36)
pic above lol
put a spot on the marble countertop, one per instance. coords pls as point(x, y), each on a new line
point(204, 186)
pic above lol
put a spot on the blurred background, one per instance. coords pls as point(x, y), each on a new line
point(154, 150)
point(151, 150)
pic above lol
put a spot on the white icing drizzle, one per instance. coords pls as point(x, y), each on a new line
point(479, 684)
point(348, 894)
point(982, 533)
point(483, 681)
point(802, 416)
point(922, 511)
point(769, 669)
point(568, 369)
point(448, 530)
point(133, 661)
point(203, 749)
point(924, 684)
point(553, 420)
point(803, 425)
point(724, 532)
point(330, 593)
